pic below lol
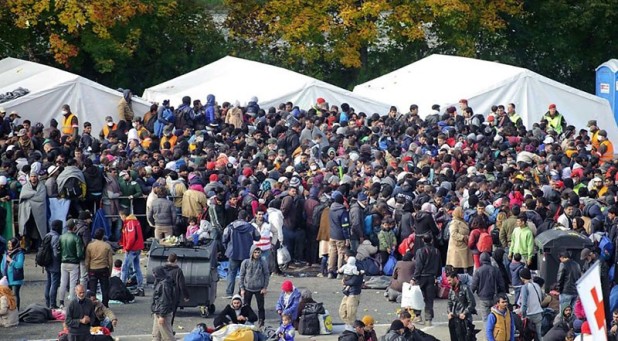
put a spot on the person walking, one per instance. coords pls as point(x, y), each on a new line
point(79, 316)
point(53, 269)
point(500, 324)
point(530, 299)
point(71, 254)
point(569, 273)
point(487, 283)
point(132, 243)
point(254, 277)
point(174, 272)
point(427, 270)
point(99, 264)
point(461, 306)
point(239, 237)
point(162, 307)
point(12, 267)
point(339, 223)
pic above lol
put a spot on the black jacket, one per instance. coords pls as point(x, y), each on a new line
point(427, 262)
point(348, 335)
point(76, 310)
point(461, 301)
point(568, 274)
point(355, 283)
point(228, 315)
point(487, 281)
point(163, 299)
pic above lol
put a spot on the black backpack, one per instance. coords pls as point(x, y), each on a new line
point(72, 188)
point(45, 254)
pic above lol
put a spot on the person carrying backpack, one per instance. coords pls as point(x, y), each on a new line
point(479, 239)
point(49, 257)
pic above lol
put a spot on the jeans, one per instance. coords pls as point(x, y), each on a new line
point(266, 258)
point(259, 297)
point(51, 288)
point(131, 258)
point(566, 300)
point(485, 308)
point(16, 289)
point(232, 272)
point(289, 240)
point(101, 276)
point(538, 322)
point(69, 275)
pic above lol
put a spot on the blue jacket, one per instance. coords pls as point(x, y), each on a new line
point(288, 332)
point(491, 322)
point(9, 270)
point(355, 283)
point(339, 221)
point(239, 237)
point(292, 307)
point(514, 268)
point(210, 109)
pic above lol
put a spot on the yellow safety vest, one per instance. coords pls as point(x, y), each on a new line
point(609, 153)
point(515, 118)
point(555, 123)
point(67, 127)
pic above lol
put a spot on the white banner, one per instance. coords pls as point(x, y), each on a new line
point(591, 294)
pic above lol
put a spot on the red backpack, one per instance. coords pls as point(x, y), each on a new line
point(485, 243)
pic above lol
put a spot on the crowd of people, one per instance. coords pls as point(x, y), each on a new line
point(345, 190)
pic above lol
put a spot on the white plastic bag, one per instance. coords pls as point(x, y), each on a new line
point(412, 297)
point(326, 323)
point(283, 256)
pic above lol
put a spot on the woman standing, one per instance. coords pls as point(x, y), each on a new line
point(459, 255)
point(13, 267)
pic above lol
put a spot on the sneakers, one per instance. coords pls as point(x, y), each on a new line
point(428, 323)
point(331, 276)
point(418, 319)
point(320, 275)
point(339, 276)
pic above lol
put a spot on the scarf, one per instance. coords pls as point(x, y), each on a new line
point(6, 292)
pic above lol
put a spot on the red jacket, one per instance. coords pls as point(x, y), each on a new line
point(132, 239)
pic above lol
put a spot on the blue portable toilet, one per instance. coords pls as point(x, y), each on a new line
point(607, 82)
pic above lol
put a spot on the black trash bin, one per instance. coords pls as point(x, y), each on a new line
point(199, 266)
point(550, 244)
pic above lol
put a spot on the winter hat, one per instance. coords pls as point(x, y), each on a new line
point(236, 297)
point(213, 178)
point(368, 319)
point(396, 325)
point(247, 172)
point(287, 286)
point(294, 182)
point(525, 274)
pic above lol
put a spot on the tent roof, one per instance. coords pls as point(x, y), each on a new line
point(50, 88)
point(444, 80)
point(231, 79)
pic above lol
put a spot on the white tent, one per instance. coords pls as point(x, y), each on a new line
point(234, 79)
point(50, 88)
point(444, 80)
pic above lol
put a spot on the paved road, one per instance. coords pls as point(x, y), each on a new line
point(135, 321)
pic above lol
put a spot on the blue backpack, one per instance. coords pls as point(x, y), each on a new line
point(607, 248)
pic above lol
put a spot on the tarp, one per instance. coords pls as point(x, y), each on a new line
point(444, 80)
point(50, 88)
point(234, 79)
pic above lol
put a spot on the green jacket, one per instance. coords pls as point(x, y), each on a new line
point(128, 188)
point(387, 239)
point(71, 248)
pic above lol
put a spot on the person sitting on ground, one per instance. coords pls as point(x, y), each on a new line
point(286, 331)
point(235, 313)
point(104, 316)
point(305, 298)
point(288, 301)
point(117, 269)
point(9, 315)
point(403, 273)
point(395, 332)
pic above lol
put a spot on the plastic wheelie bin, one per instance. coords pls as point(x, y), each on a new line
point(199, 266)
point(550, 244)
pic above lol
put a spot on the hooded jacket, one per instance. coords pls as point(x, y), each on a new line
point(339, 222)
point(254, 273)
point(239, 237)
point(500, 325)
point(291, 308)
point(163, 301)
point(487, 280)
point(210, 109)
point(132, 239)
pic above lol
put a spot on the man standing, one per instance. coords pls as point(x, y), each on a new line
point(500, 323)
point(174, 272)
point(53, 269)
point(555, 120)
point(487, 283)
point(339, 223)
point(33, 209)
point(99, 263)
point(70, 124)
point(72, 252)
point(427, 269)
point(461, 306)
point(569, 273)
point(79, 316)
point(522, 241)
point(357, 220)
point(254, 277)
point(132, 243)
point(351, 299)
point(530, 300)
point(239, 237)
point(162, 307)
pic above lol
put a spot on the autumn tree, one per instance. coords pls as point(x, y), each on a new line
point(340, 34)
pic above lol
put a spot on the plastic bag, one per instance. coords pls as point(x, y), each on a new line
point(326, 323)
point(412, 297)
point(389, 267)
point(283, 256)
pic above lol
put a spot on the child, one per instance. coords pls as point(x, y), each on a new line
point(117, 270)
point(286, 331)
point(349, 269)
point(192, 228)
point(388, 240)
point(516, 266)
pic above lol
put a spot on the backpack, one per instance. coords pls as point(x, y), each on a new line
point(485, 242)
point(45, 254)
point(73, 188)
point(444, 235)
point(309, 324)
point(607, 247)
point(495, 236)
point(317, 214)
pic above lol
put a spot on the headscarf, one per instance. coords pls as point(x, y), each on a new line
point(458, 213)
point(5, 291)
